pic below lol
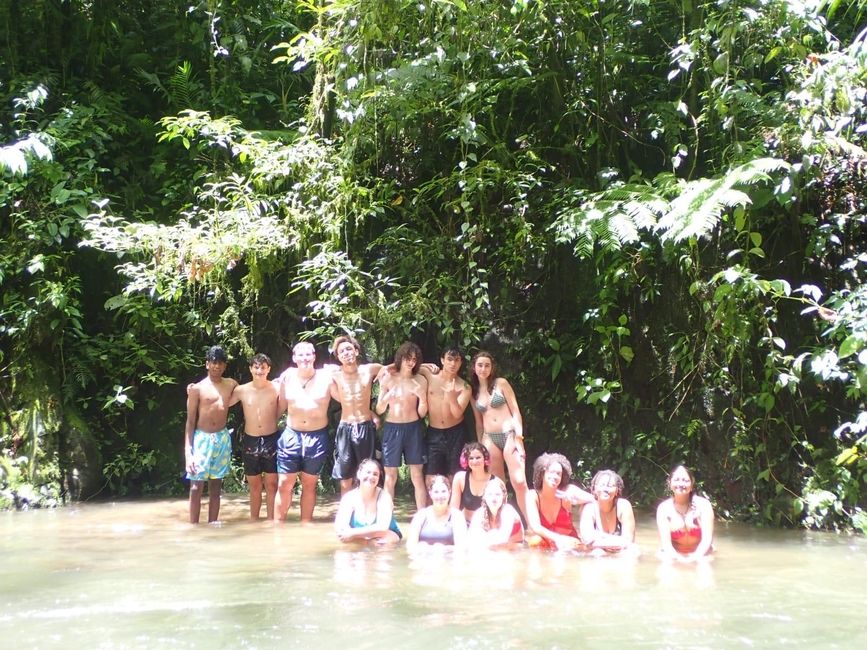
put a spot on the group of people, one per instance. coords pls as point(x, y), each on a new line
point(459, 489)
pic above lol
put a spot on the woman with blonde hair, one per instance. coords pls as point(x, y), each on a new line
point(495, 524)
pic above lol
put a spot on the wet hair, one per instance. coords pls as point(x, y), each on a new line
point(260, 359)
point(688, 473)
point(345, 338)
point(469, 448)
point(216, 354)
point(453, 352)
point(489, 519)
point(545, 461)
point(474, 379)
point(607, 474)
point(438, 478)
point(408, 350)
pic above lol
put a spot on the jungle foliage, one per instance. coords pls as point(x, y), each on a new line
point(651, 212)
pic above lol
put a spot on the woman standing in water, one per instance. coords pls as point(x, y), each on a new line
point(685, 520)
point(608, 524)
point(498, 424)
point(439, 523)
point(549, 517)
point(495, 524)
point(366, 513)
point(468, 486)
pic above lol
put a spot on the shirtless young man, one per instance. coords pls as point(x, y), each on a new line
point(259, 400)
point(448, 396)
point(207, 443)
point(356, 433)
point(404, 397)
point(305, 394)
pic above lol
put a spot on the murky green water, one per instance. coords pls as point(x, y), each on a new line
point(135, 575)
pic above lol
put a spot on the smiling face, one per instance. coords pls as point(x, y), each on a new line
point(553, 476)
point(606, 486)
point(368, 474)
point(439, 491)
point(304, 355)
point(346, 353)
point(680, 481)
point(495, 495)
point(260, 370)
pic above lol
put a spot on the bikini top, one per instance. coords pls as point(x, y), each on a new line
point(497, 400)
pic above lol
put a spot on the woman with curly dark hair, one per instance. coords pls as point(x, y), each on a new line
point(549, 517)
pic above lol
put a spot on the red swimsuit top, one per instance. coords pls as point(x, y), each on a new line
point(562, 524)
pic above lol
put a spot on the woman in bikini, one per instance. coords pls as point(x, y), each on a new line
point(685, 520)
point(366, 513)
point(495, 524)
point(469, 485)
point(608, 524)
point(498, 424)
point(438, 524)
point(549, 517)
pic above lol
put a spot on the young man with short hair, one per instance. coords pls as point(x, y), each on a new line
point(351, 386)
point(207, 441)
point(305, 393)
point(259, 448)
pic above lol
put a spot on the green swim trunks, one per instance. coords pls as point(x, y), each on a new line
point(212, 453)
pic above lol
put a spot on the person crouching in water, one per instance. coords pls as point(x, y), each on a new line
point(366, 513)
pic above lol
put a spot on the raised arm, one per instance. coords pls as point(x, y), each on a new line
point(386, 392)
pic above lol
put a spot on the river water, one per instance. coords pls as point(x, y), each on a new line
point(135, 575)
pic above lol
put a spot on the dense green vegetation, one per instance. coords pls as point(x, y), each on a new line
point(651, 212)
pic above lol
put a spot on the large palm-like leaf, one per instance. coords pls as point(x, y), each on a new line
point(696, 212)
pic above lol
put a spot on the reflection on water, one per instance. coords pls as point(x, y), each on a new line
point(136, 575)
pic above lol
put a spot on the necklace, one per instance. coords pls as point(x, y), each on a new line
point(309, 379)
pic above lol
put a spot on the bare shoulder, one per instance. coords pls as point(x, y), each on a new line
point(286, 374)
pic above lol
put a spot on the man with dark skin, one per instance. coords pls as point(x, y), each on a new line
point(207, 442)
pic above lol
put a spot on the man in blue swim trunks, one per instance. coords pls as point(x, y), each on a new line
point(207, 442)
point(448, 396)
point(403, 398)
point(356, 433)
point(305, 393)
